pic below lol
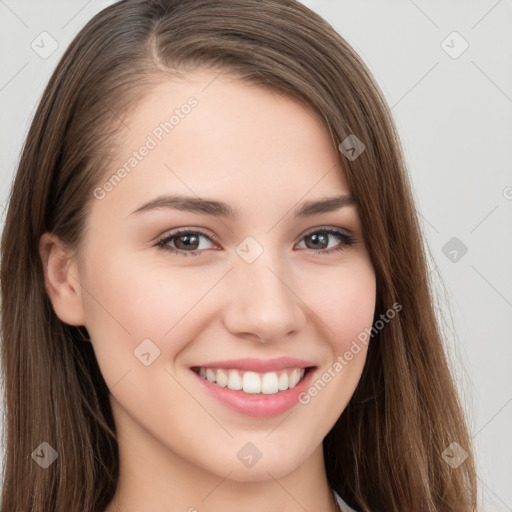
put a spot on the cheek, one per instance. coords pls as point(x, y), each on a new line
point(142, 298)
point(130, 300)
point(344, 300)
point(124, 305)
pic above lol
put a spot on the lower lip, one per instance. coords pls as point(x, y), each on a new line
point(256, 404)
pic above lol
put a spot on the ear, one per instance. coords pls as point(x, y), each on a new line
point(61, 280)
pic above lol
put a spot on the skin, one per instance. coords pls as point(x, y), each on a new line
point(264, 154)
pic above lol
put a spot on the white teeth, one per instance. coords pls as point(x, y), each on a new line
point(269, 383)
point(283, 381)
point(234, 380)
point(251, 382)
point(222, 378)
point(293, 379)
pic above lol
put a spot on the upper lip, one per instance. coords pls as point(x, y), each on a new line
point(259, 365)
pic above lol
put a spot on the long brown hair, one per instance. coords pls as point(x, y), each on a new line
point(385, 451)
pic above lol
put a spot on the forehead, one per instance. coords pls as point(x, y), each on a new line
point(215, 135)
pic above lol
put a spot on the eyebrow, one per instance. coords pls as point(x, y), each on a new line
point(220, 209)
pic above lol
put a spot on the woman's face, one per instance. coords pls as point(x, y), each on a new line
point(244, 294)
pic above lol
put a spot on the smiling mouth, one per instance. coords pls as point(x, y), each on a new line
point(268, 383)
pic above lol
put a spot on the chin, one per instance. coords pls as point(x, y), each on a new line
point(267, 461)
point(261, 472)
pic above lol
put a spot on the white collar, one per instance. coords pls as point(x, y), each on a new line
point(341, 503)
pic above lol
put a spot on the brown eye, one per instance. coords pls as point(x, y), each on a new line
point(184, 242)
point(319, 240)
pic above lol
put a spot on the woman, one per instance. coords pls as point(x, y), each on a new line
point(261, 369)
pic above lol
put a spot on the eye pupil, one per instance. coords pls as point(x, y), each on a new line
point(316, 237)
point(189, 241)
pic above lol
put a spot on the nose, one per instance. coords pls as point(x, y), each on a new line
point(261, 301)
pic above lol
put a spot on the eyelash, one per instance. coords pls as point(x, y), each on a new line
point(347, 240)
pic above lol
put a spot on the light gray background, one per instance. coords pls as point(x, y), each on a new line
point(455, 119)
